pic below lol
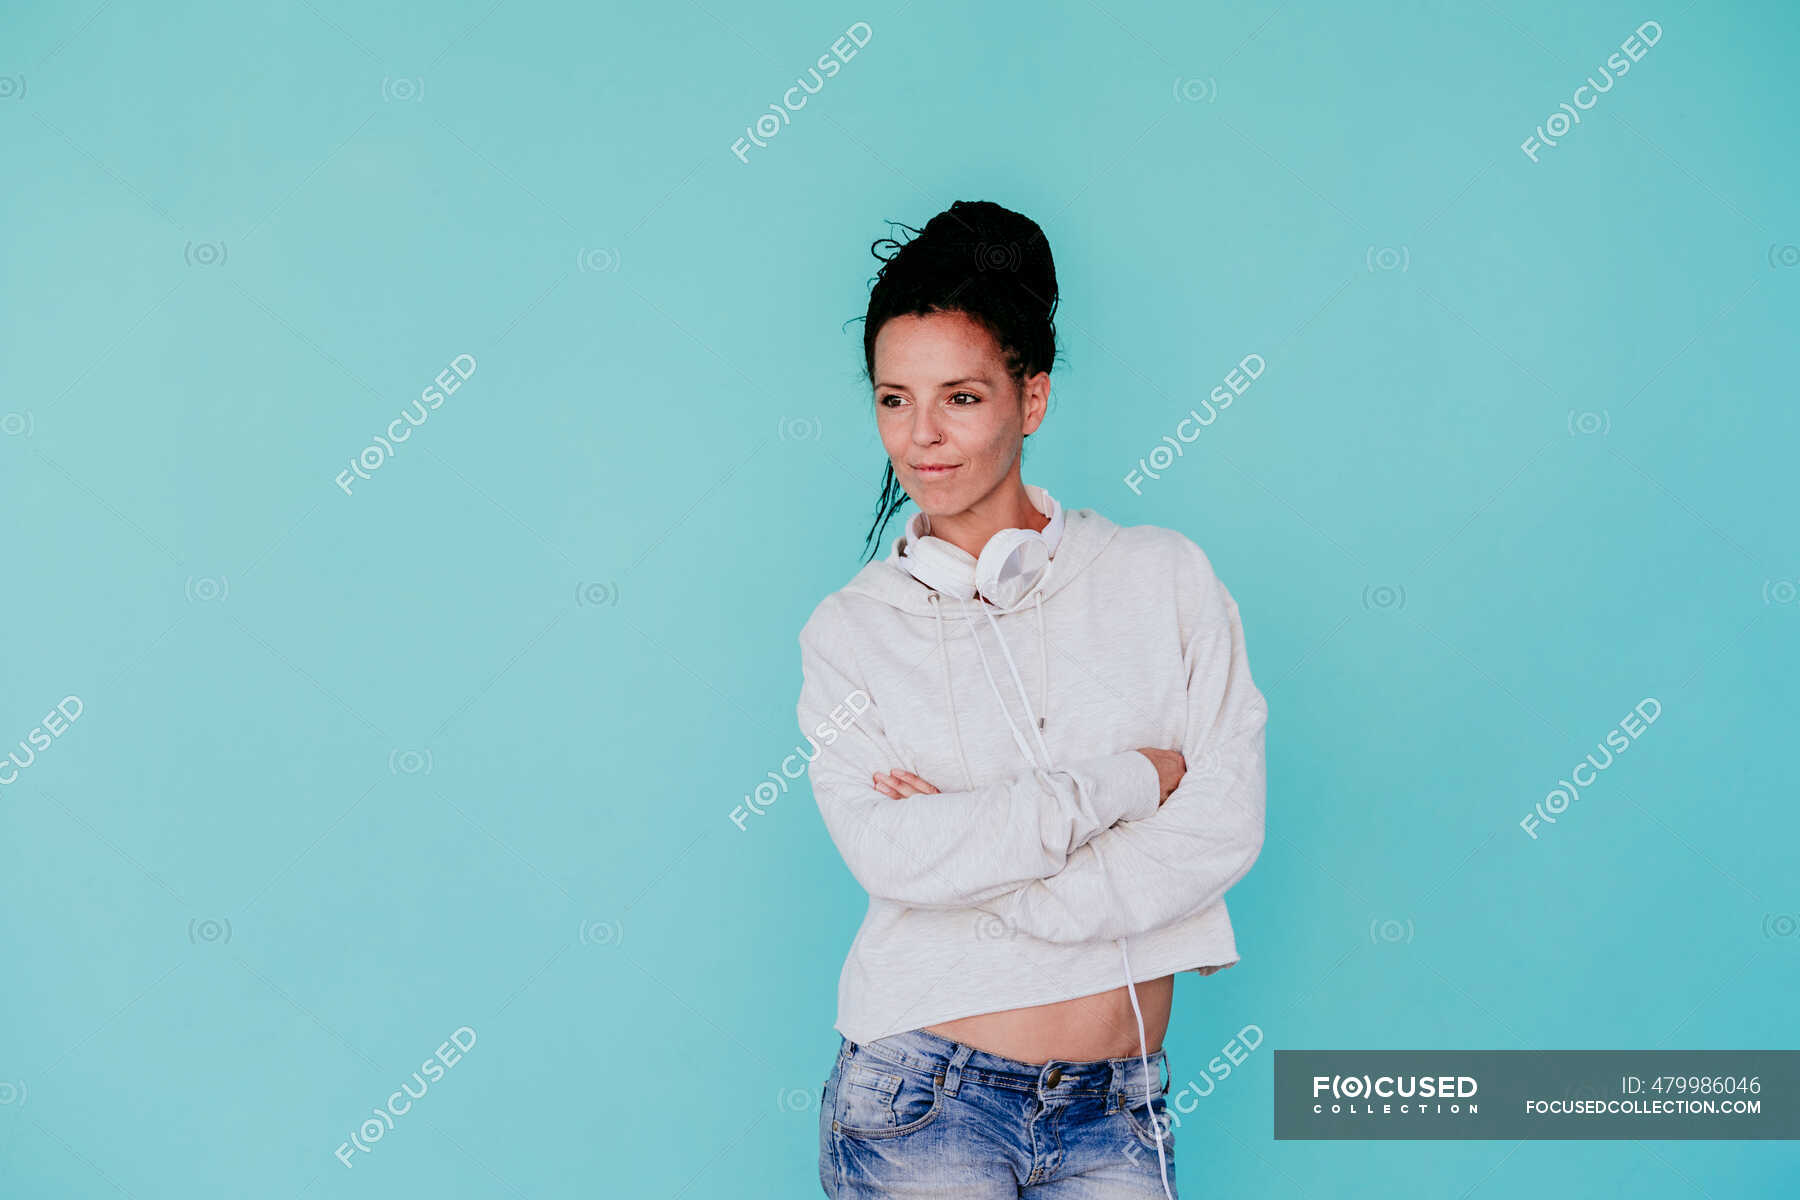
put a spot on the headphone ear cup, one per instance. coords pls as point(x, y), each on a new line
point(942, 566)
point(1011, 564)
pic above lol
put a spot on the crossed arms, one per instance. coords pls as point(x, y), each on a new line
point(1074, 854)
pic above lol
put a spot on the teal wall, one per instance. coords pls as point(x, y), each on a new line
point(362, 762)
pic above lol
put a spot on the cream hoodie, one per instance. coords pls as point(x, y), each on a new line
point(1044, 861)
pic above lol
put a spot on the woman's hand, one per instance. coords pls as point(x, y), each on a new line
point(895, 784)
point(1170, 767)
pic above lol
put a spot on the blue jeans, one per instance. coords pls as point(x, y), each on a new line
point(917, 1115)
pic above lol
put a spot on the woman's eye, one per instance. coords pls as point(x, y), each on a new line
point(973, 398)
point(890, 396)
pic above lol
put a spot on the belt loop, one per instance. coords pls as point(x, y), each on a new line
point(1154, 1083)
point(953, 1068)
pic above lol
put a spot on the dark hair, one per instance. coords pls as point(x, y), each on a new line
point(976, 258)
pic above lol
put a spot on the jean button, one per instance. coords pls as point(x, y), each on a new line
point(1054, 1077)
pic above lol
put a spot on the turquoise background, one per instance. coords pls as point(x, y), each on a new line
point(460, 748)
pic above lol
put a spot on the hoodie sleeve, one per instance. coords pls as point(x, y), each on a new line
point(1143, 874)
point(947, 849)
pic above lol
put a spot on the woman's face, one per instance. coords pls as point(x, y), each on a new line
point(943, 400)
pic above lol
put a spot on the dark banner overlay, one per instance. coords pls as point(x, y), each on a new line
point(1575, 1095)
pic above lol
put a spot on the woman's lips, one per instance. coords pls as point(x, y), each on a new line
point(934, 472)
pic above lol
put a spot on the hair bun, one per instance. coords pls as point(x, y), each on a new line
point(983, 237)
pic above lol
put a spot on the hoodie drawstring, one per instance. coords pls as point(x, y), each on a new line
point(1035, 721)
point(1043, 661)
point(1156, 1126)
point(1030, 718)
point(949, 695)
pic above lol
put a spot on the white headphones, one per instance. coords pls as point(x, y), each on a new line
point(1012, 564)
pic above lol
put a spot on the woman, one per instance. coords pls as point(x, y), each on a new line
point(1046, 838)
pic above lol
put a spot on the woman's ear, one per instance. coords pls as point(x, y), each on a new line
point(1035, 396)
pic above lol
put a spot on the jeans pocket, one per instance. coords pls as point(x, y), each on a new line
point(876, 1098)
point(1143, 1117)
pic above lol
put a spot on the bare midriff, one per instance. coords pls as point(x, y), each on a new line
point(1083, 1029)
